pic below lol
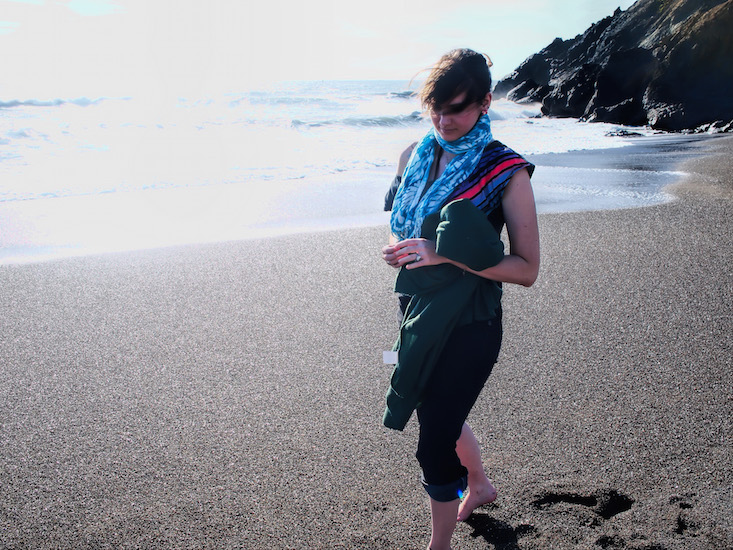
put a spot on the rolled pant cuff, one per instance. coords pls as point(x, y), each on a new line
point(447, 492)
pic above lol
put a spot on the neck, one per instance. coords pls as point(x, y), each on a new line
point(480, 134)
point(442, 158)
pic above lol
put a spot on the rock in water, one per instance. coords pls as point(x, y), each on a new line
point(665, 63)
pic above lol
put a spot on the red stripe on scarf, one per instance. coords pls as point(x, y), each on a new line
point(471, 192)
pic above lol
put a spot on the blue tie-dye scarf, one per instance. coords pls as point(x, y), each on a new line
point(410, 205)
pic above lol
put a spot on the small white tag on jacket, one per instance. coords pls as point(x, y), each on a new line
point(389, 357)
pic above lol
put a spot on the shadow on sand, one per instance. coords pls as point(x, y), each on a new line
point(499, 533)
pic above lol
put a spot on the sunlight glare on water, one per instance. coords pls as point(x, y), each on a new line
point(109, 174)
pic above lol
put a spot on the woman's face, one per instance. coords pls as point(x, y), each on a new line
point(455, 119)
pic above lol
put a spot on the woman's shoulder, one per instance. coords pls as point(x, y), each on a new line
point(497, 147)
point(409, 148)
point(405, 157)
point(497, 153)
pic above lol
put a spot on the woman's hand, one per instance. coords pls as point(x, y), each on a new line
point(411, 253)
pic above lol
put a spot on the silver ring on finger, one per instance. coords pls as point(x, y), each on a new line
point(417, 257)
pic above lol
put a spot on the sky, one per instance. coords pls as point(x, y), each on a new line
point(196, 48)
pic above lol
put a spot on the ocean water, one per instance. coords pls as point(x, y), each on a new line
point(81, 176)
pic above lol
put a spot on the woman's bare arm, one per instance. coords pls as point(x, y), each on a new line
point(520, 266)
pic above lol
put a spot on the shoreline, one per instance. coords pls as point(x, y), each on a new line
point(42, 230)
point(230, 394)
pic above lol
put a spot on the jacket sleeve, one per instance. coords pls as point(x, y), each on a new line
point(465, 235)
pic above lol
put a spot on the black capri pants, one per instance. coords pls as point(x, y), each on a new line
point(457, 380)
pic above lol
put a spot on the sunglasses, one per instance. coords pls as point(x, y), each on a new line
point(454, 109)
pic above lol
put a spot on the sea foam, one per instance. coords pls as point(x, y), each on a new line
point(140, 172)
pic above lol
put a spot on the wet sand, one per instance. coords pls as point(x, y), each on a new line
point(230, 395)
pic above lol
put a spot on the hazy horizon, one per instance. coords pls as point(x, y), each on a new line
point(102, 48)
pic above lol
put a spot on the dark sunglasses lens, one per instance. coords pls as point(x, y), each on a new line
point(454, 109)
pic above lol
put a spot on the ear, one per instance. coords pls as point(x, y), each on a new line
point(486, 103)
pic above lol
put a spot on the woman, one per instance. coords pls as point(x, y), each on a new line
point(454, 278)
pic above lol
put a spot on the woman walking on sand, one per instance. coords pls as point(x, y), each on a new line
point(455, 191)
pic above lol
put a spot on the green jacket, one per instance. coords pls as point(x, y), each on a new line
point(442, 297)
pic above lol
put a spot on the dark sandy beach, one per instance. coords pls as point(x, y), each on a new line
point(230, 395)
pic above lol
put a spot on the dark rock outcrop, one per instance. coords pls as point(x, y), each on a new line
point(665, 63)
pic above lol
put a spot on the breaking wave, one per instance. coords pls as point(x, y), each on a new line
point(366, 121)
point(81, 102)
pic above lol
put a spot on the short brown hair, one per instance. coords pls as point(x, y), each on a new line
point(458, 71)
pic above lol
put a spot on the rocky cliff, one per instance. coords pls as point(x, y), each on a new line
point(665, 63)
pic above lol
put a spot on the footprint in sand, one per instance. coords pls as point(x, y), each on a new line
point(600, 506)
point(606, 503)
point(685, 525)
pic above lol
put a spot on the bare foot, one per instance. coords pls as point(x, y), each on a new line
point(485, 494)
